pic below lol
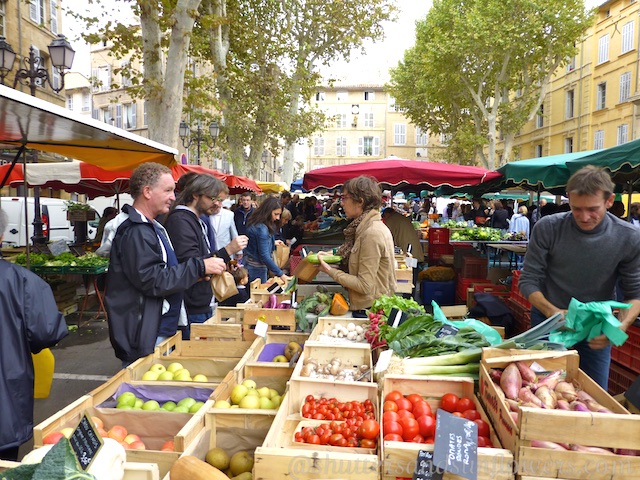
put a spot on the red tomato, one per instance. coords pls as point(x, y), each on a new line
point(417, 439)
point(369, 429)
point(336, 439)
point(309, 399)
point(457, 414)
point(393, 437)
point(393, 427)
point(390, 416)
point(421, 408)
point(429, 441)
point(410, 428)
point(389, 406)
point(471, 415)
point(324, 438)
point(483, 428)
point(404, 404)
point(484, 442)
point(393, 396)
point(414, 397)
point(465, 403)
point(449, 402)
point(427, 426)
point(367, 443)
point(314, 439)
point(405, 413)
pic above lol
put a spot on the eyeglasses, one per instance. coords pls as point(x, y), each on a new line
point(345, 196)
point(216, 199)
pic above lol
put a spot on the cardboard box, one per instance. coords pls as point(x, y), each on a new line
point(305, 271)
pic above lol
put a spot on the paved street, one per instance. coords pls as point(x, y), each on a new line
point(84, 360)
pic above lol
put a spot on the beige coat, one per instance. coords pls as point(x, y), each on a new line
point(371, 264)
point(404, 233)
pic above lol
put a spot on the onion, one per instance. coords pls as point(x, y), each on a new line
point(528, 375)
point(526, 395)
point(578, 406)
point(548, 397)
point(566, 390)
point(563, 404)
point(551, 380)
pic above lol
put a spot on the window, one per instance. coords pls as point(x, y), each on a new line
point(36, 10)
point(70, 102)
point(369, 146)
point(101, 78)
point(129, 115)
point(53, 7)
point(320, 97)
point(568, 145)
point(124, 77)
point(368, 120)
point(318, 146)
point(399, 134)
point(341, 120)
point(342, 96)
point(144, 114)
point(392, 104)
point(95, 114)
point(56, 80)
point(598, 140)
point(43, 64)
point(422, 137)
point(569, 104)
point(119, 115)
point(538, 153)
point(369, 96)
point(341, 146)
point(625, 86)
point(627, 37)
point(601, 99)
point(540, 117)
point(571, 66)
point(444, 139)
point(623, 134)
point(105, 115)
point(603, 49)
point(86, 101)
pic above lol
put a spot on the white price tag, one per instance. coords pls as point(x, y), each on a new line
point(411, 262)
point(536, 367)
point(261, 328)
point(383, 361)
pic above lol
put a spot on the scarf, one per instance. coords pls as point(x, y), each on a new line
point(344, 250)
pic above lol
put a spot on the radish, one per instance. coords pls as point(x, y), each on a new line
point(511, 381)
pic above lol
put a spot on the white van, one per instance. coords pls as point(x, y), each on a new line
point(54, 217)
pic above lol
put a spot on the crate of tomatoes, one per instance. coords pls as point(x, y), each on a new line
point(408, 412)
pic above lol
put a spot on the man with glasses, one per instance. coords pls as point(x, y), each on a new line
point(242, 213)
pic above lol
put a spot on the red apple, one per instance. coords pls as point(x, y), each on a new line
point(118, 432)
point(52, 438)
point(137, 445)
point(132, 437)
point(167, 446)
point(97, 421)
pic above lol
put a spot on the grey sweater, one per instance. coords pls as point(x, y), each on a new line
point(563, 261)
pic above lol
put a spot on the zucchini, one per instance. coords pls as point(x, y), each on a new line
point(313, 258)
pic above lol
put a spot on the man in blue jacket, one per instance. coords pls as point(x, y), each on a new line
point(30, 322)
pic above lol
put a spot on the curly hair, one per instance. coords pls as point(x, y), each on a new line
point(146, 175)
point(364, 189)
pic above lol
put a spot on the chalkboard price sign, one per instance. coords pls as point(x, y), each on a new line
point(455, 448)
point(85, 442)
point(425, 470)
point(446, 330)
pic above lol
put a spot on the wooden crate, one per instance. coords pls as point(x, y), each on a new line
point(276, 319)
point(214, 369)
point(399, 458)
point(262, 296)
point(328, 323)
point(227, 315)
point(253, 365)
point(591, 429)
point(277, 459)
point(203, 345)
point(308, 290)
point(132, 471)
point(351, 356)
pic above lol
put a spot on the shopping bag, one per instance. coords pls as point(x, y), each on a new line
point(281, 255)
point(223, 286)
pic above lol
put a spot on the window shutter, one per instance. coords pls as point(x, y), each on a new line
point(376, 146)
point(360, 146)
point(119, 115)
point(134, 121)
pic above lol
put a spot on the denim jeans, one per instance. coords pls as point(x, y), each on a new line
point(194, 318)
point(257, 272)
point(595, 363)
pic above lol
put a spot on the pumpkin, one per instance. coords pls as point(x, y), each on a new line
point(339, 305)
point(192, 468)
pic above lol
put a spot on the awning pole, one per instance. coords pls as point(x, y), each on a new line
point(629, 194)
point(25, 192)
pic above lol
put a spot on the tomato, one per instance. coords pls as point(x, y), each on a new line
point(471, 415)
point(393, 427)
point(393, 396)
point(318, 416)
point(449, 402)
point(465, 403)
point(404, 404)
point(390, 416)
point(410, 428)
point(417, 439)
point(310, 399)
point(324, 438)
point(429, 441)
point(483, 428)
point(405, 413)
point(484, 442)
point(426, 425)
point(393, 437)
point(335, 439)
point(457, 414)
point(414, 397)
point(298, 437)
point(314, 439)
point(352, 442)
point(367, 443)
point(389, 406)
point(369, 429)
point(306, 408)
point(421, 408)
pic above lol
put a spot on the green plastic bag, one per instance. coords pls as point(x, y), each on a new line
point(492, 336)
point(585, 321)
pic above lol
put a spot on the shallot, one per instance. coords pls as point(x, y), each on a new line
point(566, 390)
point(526, 395)
point(548, 397)
point(543, 444)
point(563, 404)
point(582, 448)
point(511, 381)
point(528, 375)
point(551, 380)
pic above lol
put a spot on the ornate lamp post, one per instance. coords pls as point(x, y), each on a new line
point(185, 135)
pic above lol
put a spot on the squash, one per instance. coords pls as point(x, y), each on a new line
point(339, 305)
point(192, 468)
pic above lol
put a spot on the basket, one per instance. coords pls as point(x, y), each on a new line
point(628, 354)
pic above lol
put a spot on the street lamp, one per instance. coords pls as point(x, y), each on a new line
point(34, 75)
point(265, 158)
point(185, 135)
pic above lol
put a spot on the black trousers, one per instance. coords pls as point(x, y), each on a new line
point(9, 454)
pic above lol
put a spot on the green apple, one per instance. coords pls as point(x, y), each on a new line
point(151, 405)
point(169, 406)
point(280, 359)
point(195, 407)
point(164, 376)
point(124, 406)
point(276, 400)
point(221, 404)
point(139, 403)
point(126, 398)
point(180, 409)
point(264, 392)
point(150, 375)
point(238, 393)
point(273, 392)
point(250, 384)
point(187, 402)
point(253, 392)
point(182, 376)
point(200, 378)
point(266, 404)
point(235, 406)
point(174, 367)
point(157, 367)
point(250, 401)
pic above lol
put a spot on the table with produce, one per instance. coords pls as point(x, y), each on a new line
point(372, 399)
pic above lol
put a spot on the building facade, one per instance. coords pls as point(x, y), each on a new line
point(78, 93)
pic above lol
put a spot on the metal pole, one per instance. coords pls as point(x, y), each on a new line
point(198, 138)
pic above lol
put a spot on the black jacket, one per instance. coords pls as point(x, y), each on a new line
point(137, 282)
point(499, 219)
point(240, 217)
point(30, 322)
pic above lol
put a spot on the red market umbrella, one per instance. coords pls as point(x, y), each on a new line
point(399, 174)
point(235, 183)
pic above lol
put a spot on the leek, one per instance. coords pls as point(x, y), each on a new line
point(441, 369)
point(460, 358)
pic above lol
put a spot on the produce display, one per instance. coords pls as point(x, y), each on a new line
point(249, 395)
point(128, 401)
point(342, 333)
point(334, 370)
point(318, 305)
point(173, 372)
point(89, 259)
point(477, 233)
point(290, 350)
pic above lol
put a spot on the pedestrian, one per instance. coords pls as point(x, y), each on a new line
point(499, 217)
point(519, 223)
point(635, 214)
point(222, 222)
point(242, 213)
point(582, 254)
point(30, 323)
point(262, 227)
point(368, 252)
point(108, 213)
point(537, 212)
point(145, 278)
point(403, 233)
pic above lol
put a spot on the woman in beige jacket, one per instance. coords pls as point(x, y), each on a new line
point(368, 251)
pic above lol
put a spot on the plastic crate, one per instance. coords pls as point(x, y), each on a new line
point(474, 267)
point(438, 236)
point(620, 378)
point(49, 270)
point(466, 283)
point(628, 354)
point(93, 270)
point(515, 277)
point(437, 251)
point(294, 260)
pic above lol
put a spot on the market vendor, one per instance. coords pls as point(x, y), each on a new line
point(368, 251)
point(583, 254)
